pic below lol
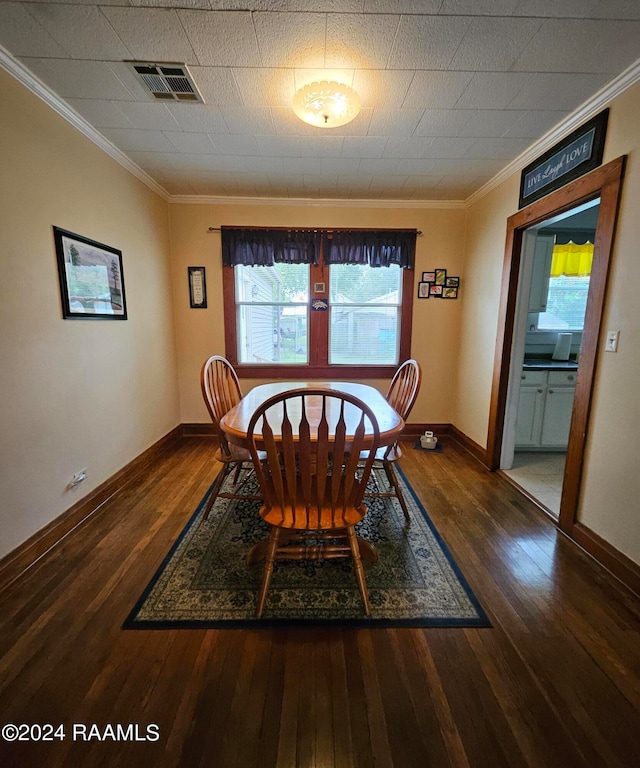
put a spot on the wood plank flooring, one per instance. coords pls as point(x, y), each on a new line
point(554, 684)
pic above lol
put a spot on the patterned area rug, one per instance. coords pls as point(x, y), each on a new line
point(204, 581)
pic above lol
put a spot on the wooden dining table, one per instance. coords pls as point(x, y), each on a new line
point(235, 424)
point(236, 421)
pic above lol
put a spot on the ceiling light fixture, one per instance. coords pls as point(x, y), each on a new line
point(326, 105)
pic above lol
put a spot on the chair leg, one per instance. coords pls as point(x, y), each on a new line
point(357, 564)
point(268, 569)
point(224, 471)
point(393, 480)
point(236, 474)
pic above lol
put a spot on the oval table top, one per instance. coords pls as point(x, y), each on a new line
point(236, 421)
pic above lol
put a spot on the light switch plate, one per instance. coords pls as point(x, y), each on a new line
point(612, 341)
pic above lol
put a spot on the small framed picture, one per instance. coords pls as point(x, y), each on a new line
point(423, 290)
point(91, 279)
point(197, 288)
point(452, 281)
point(319, 288)
point(450, 292)
point(441, 276)
point(428, 277)
point(435, 290)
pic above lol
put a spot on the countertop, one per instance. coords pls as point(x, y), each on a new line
point(547, 364)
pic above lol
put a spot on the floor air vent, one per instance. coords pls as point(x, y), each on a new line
point(167, 82)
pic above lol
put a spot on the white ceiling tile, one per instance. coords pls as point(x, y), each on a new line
point(229, 144)
point(359, 41)
point(265, 87)
point(441, 147)
point(304, 76)
point(503, 148)
point(324, 6)
point(493, 44)
point(492, 90)
point(552, 8)
point(255, 120)
point(21, 34)
point(79, 79)
point(101, 114)
point(217, 85)
point(152, 34)
point(491, 122)
point(387, 166)
point(436, 89)
point(291, 39)
point(401, 122)
point(339, 165)
point(138, 141)
point(380, 88)
point(363, 146)
point(427, 42)
point(534, 124)
point(223, 39)
point(406, 147)
point(557, 91)
point(322, 146)
point(402, 6)
point(149, 116)
point(82, 30)
point(191, 143)
point(480, 7)
point(301, 164)
point(443, 122)
point(581, 45)
point(200, 118)
point(278, 146)
point(614, 9)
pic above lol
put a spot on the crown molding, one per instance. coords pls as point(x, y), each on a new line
point(42, 91)
point(315, 202)
point(589, 109)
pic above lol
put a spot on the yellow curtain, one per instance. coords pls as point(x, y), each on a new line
point(572, 260)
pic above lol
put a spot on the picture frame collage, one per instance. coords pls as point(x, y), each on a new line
point(439, 285)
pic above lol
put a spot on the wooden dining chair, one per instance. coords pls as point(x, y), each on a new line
point(401, 395)
point(221, 391)
point(313, 481)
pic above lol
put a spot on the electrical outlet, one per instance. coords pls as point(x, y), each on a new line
point(611, 344)
point(78, 478)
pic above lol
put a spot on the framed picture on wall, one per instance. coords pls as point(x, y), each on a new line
point(423, 290)
point(435, 290)
point(450, 292)
point(197, 288)
point(91, 278)
point(428, 277)
point(440, 276)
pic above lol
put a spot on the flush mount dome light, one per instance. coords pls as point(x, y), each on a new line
point(326, 105)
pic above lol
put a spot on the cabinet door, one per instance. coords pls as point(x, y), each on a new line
point(540, 274)
point(558, 406)
point(529, 416)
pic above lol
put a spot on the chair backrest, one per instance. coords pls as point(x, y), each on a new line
point(404, 387)
point(221, 391)
point(313, 439)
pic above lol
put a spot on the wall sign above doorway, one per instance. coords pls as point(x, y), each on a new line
point(578, 153)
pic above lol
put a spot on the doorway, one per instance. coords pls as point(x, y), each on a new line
point(556, 263)
point(603, 183)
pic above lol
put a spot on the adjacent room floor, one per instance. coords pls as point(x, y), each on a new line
point(541, 475)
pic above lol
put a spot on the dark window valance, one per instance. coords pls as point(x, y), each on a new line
point(577, 236)
point(377, 248)
point(264, 247)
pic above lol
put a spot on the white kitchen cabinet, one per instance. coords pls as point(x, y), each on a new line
point(540, 273)
point(545, 405)
point(558, 407)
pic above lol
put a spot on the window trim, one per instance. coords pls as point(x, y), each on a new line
point(318, 335)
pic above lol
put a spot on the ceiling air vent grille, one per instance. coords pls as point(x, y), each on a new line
point(167, 82)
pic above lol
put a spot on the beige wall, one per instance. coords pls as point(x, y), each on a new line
point(74, 393)
point(200, 332)
point(609, 504)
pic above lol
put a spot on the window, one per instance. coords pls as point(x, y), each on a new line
point(566, 304)
point(313, 318)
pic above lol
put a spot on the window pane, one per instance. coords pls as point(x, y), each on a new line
point(566, 304)
point(365, 314)
point(272, 320)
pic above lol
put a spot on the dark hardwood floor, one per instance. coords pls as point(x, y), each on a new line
point(555, 683)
